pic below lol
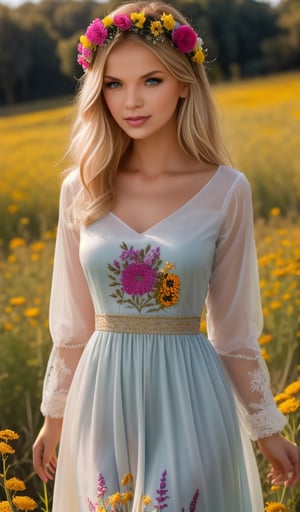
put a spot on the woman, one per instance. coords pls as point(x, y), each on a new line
point(154, 223)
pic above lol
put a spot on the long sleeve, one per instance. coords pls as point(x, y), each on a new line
point(234, 313)
point(71, 316)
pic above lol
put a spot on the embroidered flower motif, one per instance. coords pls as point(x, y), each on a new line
point(140, 282)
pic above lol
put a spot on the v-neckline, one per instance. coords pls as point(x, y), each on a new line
point(172, 214)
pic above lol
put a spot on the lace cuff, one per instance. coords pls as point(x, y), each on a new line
point(265, 423)
point(54, 405)
point(250, 379)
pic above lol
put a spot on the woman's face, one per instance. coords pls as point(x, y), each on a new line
point(140, 93)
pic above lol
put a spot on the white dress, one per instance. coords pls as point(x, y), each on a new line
point(150, 393)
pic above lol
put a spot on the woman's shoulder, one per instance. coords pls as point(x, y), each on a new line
point(232, 179)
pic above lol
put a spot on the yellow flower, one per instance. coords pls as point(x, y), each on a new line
point(156, 28)
point(8, 327)
point(13, 208)
point(107, 21)
point(15, 484)
point(127, 479)
point(275, 488)
point(138, 18)
point(126, 496)
point(281, 397)
point(24, 221)
point(168, 21)
point(293, 388)
point(8, 435)
point(17, 301)
point(32, 312)
point(5, 506)
point(17, 242)
point(275, 212)
point(265, 355)
point(289, 406)
point(266, 338)
point(38, 246)
point(272, 506)
point(169, 290)
point(24, 503)
point(6, 449)
point(275, 304)
point(85, 42)
point(199, 56)
point(115, 499)
point(146, 500)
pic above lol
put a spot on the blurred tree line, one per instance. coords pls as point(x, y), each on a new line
point(38, 42)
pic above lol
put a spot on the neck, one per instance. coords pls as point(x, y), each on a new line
point(156, 155)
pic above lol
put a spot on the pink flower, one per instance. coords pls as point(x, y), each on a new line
point(138, 278)
point(96, 32)
point(185, 38)
point(82, 62)
point(122, 21)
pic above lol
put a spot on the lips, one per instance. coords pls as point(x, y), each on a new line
point(137, 120)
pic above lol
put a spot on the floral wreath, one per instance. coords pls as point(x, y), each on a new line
point(102, 31)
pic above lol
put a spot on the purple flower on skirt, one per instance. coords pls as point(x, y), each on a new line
point(138, 279)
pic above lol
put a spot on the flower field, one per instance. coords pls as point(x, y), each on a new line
point(261, 122)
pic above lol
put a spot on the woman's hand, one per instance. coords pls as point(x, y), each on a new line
point(284, 457)
point(44, 448)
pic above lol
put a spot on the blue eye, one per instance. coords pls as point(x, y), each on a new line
point(112, 85)
point(153, 81)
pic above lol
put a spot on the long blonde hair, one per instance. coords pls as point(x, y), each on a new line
point(98, 143)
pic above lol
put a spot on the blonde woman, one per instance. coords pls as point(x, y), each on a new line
point(154, 224)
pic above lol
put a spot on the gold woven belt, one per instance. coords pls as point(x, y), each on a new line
point(139, 324)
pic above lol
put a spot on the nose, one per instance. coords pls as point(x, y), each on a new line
point(134, 98)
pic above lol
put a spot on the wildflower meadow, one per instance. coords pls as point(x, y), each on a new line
point(260, 119)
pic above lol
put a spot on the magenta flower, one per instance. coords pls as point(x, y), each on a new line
point(122, 21)
point(138, 278)
point(82, 62)
point(185, 38)
point(96, 32)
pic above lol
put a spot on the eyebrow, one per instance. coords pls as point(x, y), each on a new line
point(147, 75)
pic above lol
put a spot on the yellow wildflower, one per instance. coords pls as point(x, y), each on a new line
point(32, 312)
point(126, 496)
point(272, 506)
point(11, 258)
point(107, 21)
point(6, 449)
point(24, 503)
point(168, 21)
point(17, 242)
point(146, 500)
point(275, 488)
point(38, 246)
point(138, 18)
point(265, 354)
point(8, 435)
point(275, 304)
point(199, 56)
point(127, 479)
point(5, 506)
point(281, 397)
point(17, 301)
point(24, 221)
point(8, 327)
point(13, 208)
point(266, 338)
point(156, 28)
point(15, 484)
point(293, 388)
point(289, 406)
point(275, 212)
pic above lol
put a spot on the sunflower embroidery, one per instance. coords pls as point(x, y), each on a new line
point(141, 282)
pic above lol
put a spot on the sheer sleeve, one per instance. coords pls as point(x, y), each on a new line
point(71, 315)
point(234, 313)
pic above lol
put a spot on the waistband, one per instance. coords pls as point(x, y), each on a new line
point(139, 324)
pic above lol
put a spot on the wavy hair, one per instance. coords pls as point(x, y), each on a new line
point(98, 143)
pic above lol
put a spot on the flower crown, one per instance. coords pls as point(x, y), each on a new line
point(101, 31)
